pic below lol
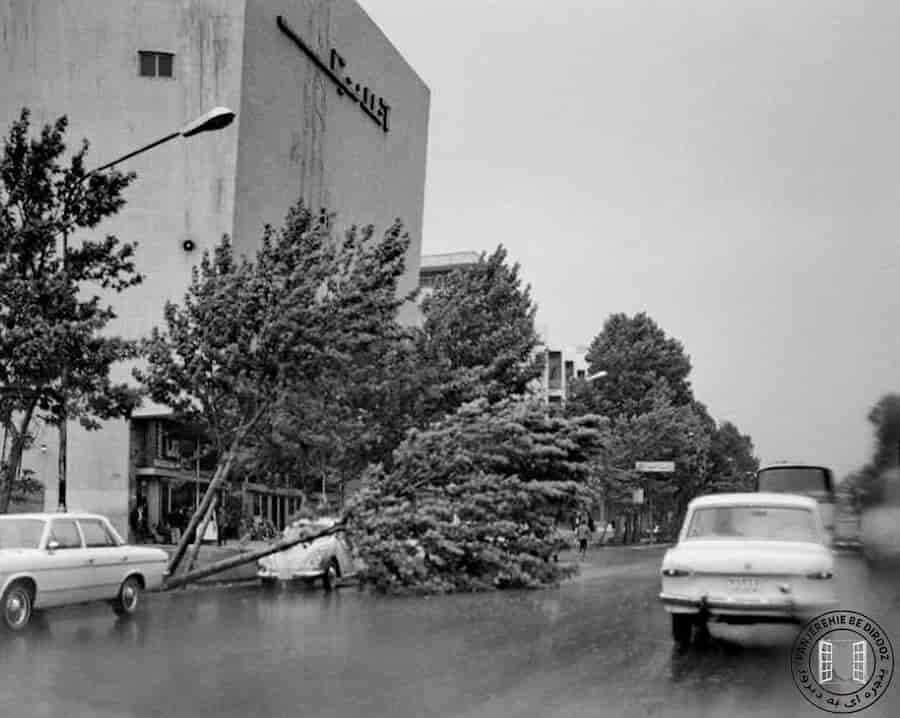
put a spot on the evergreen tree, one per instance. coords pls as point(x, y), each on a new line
point(471, 502)
point(478, 337)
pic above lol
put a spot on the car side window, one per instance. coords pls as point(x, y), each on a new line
point(96, 534)
point(65, 533)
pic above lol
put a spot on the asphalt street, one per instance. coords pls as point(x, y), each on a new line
point(598, 646)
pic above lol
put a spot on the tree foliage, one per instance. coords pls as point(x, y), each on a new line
point(641, 361)
point(654, 416)
point(478, 337)
point(871, 481)
point(50, 321)
point(283, 359)
point(470, 503)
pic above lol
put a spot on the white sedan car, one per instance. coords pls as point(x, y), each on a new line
point(329, 557)
point(748, 558)
point(49, 560)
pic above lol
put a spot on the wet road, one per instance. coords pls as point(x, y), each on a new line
point(599, 646)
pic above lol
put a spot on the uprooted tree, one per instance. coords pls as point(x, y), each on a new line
point(257, 340)
point(52, 321)
point(471, 503)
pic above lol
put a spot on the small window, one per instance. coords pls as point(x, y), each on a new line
point(155, 64)
point(65, 533)
point(95, 534)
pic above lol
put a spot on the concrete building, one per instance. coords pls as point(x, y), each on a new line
point(563, 365)
point(327, 110)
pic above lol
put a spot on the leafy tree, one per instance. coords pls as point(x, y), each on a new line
point(665, 432)
point(471, 502)
point(732, 462)
point(870, 482)
point(478, 337)
point(639, 360)
point(50, 321)
point(263, 348)
point(357, 408)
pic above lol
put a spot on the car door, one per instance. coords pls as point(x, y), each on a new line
point(109, 560)
point(67, 572)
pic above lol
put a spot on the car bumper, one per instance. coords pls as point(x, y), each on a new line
point(761, 608)
point(305, 574)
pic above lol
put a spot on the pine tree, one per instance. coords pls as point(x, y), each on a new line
point(471, 502)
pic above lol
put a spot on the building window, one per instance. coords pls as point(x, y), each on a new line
point(155, 64)
point(555, 368)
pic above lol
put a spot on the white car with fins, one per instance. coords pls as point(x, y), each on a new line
point(748, 558)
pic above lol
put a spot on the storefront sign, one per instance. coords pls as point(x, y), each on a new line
point(375, 107)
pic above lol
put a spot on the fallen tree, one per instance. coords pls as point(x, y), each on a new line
point(472, 502)
point(245, 558)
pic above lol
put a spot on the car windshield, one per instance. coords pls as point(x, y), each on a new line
point(20, 533)
point(768, 523)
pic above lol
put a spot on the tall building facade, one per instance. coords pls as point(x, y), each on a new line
point(327, 110)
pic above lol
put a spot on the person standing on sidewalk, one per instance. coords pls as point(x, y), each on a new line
point(221, 519)
point(582, 533)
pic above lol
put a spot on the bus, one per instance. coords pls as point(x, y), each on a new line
point(804, 479)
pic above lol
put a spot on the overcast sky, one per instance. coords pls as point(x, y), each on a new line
point(731, 168)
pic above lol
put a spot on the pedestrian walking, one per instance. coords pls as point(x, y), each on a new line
point(220, 524)
point(582, 533)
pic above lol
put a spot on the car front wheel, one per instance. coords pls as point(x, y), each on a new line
point(682, 628)
point(129, 597)
point(17, 607)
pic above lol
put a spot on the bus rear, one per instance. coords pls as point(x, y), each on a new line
point(805, 479)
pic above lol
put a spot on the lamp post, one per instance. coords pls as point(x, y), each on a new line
point(216, 119)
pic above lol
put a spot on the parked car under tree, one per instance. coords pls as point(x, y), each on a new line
point(329, 558)
point(49, 560)
point(748, 558)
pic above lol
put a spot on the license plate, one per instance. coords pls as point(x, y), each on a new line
point(744, 584)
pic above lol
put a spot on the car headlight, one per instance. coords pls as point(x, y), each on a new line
point(674, 572)
point(820, 575)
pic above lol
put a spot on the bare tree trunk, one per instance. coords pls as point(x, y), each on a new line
point(201, 532)
point(223, 469)
point(10, 470)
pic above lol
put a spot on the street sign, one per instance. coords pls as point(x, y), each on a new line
point(637, 496)
point(655, 467)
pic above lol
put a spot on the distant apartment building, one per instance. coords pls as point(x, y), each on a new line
point(563, 366)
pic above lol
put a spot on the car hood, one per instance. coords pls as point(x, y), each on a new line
point(731, 556)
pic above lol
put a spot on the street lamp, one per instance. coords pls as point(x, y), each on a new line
point(217, 118)
point(598, 375)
